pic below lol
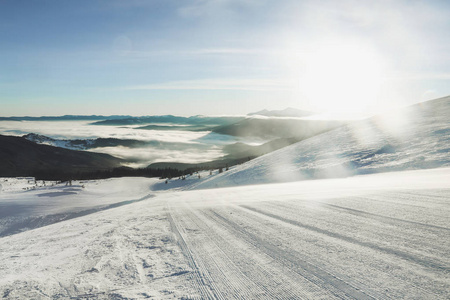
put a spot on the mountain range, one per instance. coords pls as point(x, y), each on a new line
point(170, 119)
point(21, 157)
point(358, 145)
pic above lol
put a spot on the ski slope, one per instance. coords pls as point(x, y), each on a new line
point(379, 236)
point(417, 137)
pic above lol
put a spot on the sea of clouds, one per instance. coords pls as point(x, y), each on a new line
point(166, 145)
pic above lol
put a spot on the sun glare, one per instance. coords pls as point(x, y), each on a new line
point(343, 80)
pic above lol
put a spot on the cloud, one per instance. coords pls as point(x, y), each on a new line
point(227, 51)
point(420, 76)
point(82, 130)
point(167, 145)
point(201, 52)
point(142, 157)
point(221, 84)
point(202, 8)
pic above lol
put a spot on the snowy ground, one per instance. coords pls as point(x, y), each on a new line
point(373, 236)
point(26, 204)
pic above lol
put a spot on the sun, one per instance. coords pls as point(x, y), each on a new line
point(343, 79)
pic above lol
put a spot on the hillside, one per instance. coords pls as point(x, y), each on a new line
point(280, 133)
point(417, 137)
point(20, 157)
point(84, 144)
point(236, 153)
point(288, 112)
point(271, 128)
point(244, 150)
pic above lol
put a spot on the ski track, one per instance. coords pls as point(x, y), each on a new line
point(231, 265)
point(428, 263)
point(423, 237)
point(314, 274)
point(235, 256)
point(378, 217)
point(182, 245)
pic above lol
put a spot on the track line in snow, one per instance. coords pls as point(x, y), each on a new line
point(358, 265)
point(366, 214)
point(203, 284)
point(235, 268)
point(252, 278)
point(217, 269)
point(382, 218)
point(398, 253)
point(292, 260)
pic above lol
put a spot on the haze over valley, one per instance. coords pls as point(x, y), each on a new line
point(141, 141)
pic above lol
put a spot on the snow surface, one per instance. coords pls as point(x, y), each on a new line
point(414, 138)
point(26, 204)
point(366, 237)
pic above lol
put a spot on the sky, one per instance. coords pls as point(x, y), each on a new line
point(220, 57)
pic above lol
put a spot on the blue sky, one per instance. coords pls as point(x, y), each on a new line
point(220, 56)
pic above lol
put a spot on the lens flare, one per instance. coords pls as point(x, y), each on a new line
point(343, 79)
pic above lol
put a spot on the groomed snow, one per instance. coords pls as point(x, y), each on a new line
point(365, 237)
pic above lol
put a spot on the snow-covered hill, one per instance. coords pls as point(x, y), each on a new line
point(380, 236)
point(417, 137)
point(68, 144)
point(27, 204)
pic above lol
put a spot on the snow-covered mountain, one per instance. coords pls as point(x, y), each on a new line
point(416, 137)
point(273, 128)
point(287, 112)
point(85, 144)
point(68, 144)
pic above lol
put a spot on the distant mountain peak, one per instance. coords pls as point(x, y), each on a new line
point(261, 112)
point(38, 138)
point(287, 112)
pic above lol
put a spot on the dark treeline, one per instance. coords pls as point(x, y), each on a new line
point(59, 175)
point(160, 171)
